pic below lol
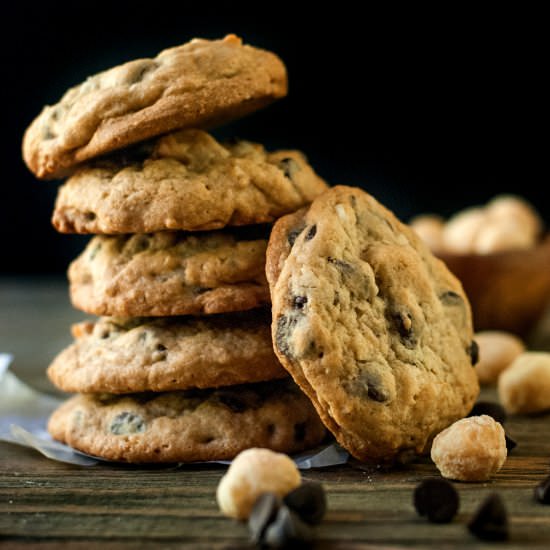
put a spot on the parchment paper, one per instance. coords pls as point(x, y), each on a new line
point(24, 414)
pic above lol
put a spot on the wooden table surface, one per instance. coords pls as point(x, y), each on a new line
point(46, 504)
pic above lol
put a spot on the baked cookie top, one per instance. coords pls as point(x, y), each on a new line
point(373, 328)
point(202, 83)
point(185, 181)
point(168, 353)
point(171, 273)
point(189, 426)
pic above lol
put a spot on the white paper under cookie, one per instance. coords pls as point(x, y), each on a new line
point(24, 414)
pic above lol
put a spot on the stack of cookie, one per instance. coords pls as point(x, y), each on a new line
point(180, 365)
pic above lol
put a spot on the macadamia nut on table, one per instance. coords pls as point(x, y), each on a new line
point(253, 472)
point(524, 387)
point(471, 449)
point(497, 351)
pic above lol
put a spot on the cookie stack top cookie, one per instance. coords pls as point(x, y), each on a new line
point(199, 84)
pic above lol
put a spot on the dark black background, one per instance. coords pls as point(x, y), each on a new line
point(427, 111)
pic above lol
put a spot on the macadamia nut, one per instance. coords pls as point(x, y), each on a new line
point(502, 235)
point(516, 210)
point(461, 230)
point(429, 228)
point(253, 472)
point(524, 387)
point(471, 449)
point(497, 350)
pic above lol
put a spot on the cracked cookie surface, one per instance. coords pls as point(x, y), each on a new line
point(171, 273)
point(189, 426)
point(185, 181)
point(116, 355)
point(373, 328)
point(199, 84)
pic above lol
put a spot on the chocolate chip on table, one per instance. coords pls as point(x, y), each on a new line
point(127, 423)
point(473, 351)
point(490, 522)
point(510, 443)
point(494, 410)
point(437, 499)
point(263, 513)
point(287, 529)
point(542, 491)
point(308, 501)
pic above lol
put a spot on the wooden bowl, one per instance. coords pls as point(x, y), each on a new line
point(507, 290)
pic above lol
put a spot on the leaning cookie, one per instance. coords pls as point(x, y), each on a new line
point(189, 426)
point(163, 354)
point(185, 181)
point(373, 328)
point(171, 273)
point(199, 84)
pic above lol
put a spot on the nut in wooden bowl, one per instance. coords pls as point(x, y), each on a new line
point(508, 290)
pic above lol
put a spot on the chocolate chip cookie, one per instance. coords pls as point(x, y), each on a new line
point(167, 353)
point(189, 426)
point(171, 273)
point(200, 84)
point(373, 328)
point(185, 181)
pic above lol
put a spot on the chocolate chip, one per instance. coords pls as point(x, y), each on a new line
point(262, 515)
point(403, 324)
point(94, 252)
point(473, 350)
point(289, 167)
point(90, 216)
point(299, 431)
point(490, 522)
point(293, 234)
point(299, 302)
point(127, 423)
point(450, 298)
point(510, 443)
point(542, 491)
point(344, 267)
point(285, 326)
point(308, 501)
point(367, 384)
point(139, 75)
point(494, 410)
point(104, 334)
point(437, 499)
point(161, 347)
point(233, 402)
point(312, 231)
point(287, 529)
